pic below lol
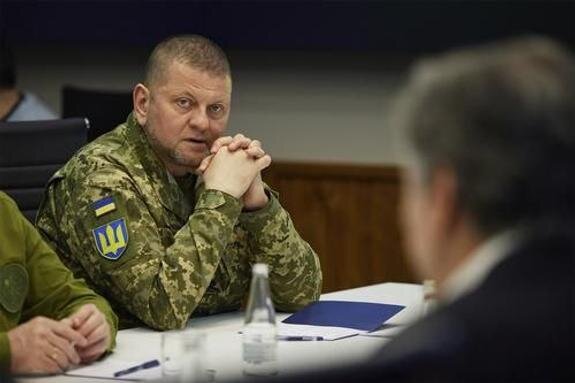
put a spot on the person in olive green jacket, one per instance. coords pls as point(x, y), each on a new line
point(49, 321)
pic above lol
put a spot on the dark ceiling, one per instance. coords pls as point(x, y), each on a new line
point(387, 26)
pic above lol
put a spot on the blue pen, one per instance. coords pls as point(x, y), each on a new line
point(299, 338)
point(143, 366)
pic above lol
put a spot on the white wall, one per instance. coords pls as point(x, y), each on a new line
point(304, 106)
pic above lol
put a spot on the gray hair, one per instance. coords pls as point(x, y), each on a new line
point(502, 117)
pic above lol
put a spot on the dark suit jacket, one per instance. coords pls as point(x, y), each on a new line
point(519, 325)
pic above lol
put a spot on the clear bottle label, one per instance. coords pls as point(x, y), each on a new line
point(260, 349)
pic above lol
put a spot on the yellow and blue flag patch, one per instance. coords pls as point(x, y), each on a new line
point(103, 206)
point(111, 239)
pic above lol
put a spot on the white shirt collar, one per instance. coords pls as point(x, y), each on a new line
point(468, 276)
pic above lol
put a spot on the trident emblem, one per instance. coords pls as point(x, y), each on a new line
point(111, 239)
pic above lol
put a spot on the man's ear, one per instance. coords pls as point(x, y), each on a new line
point(141, 99)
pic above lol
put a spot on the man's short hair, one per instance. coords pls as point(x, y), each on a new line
point(194, 50)
point(502, 117)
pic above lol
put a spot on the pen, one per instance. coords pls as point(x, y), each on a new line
point(299, 338)
point(143, 366)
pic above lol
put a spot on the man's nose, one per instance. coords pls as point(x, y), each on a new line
point(200, 120)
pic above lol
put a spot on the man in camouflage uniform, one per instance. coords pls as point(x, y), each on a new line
point(49, 321)
point(164, 215)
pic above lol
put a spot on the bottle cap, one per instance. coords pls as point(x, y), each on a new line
point(260, 268)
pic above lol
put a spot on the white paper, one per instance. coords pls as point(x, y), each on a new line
point(386, 332)
point(107, 368)
point(326, 332)
point(133, 347)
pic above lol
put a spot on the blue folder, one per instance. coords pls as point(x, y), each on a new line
point(357, 315)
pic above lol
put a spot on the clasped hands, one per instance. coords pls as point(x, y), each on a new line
point(234, 166)
point(44, 345)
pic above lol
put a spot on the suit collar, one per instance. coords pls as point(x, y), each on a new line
point(471, 274)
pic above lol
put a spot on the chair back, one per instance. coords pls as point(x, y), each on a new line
point(31, 152)
point(104, 109)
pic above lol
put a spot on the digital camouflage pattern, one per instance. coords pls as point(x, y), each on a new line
point(34, 282)
point(188, 250)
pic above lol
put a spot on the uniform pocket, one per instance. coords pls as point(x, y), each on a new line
point(13, 287)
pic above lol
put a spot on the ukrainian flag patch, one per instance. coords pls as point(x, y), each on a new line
point(103, 206)
point(111, 239)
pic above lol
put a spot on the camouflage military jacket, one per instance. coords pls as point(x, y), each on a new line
point(161, 249)
point(33, 281)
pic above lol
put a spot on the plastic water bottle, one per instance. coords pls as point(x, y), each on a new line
point(259, 332)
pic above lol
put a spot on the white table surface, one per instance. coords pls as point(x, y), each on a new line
point(223, 342)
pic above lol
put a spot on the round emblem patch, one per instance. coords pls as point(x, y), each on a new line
point(13, 287)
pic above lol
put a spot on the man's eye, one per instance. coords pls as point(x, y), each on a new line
point(183, 102)
point(217, 109)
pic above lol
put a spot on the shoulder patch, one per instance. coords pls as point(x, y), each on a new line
point(111, 239)
point(103, 206)
point(13, 287)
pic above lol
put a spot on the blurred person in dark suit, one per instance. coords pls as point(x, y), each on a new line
point(488, 212)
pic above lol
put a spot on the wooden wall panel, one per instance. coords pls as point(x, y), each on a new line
point(348, 213)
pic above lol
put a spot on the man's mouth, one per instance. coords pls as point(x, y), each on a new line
point(197, 143)
point(196, 140)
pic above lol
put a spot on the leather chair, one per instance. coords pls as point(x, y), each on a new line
point(104, 109)
point(31, 151)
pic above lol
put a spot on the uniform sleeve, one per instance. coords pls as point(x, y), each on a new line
point(155, 276)
point(53, 290)
point(295, 274)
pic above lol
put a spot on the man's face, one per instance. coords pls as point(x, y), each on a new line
point(419, 224)
point(183, 113)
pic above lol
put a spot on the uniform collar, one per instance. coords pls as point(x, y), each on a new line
point(166, 187)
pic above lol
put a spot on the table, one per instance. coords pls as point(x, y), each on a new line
point(223, 342)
